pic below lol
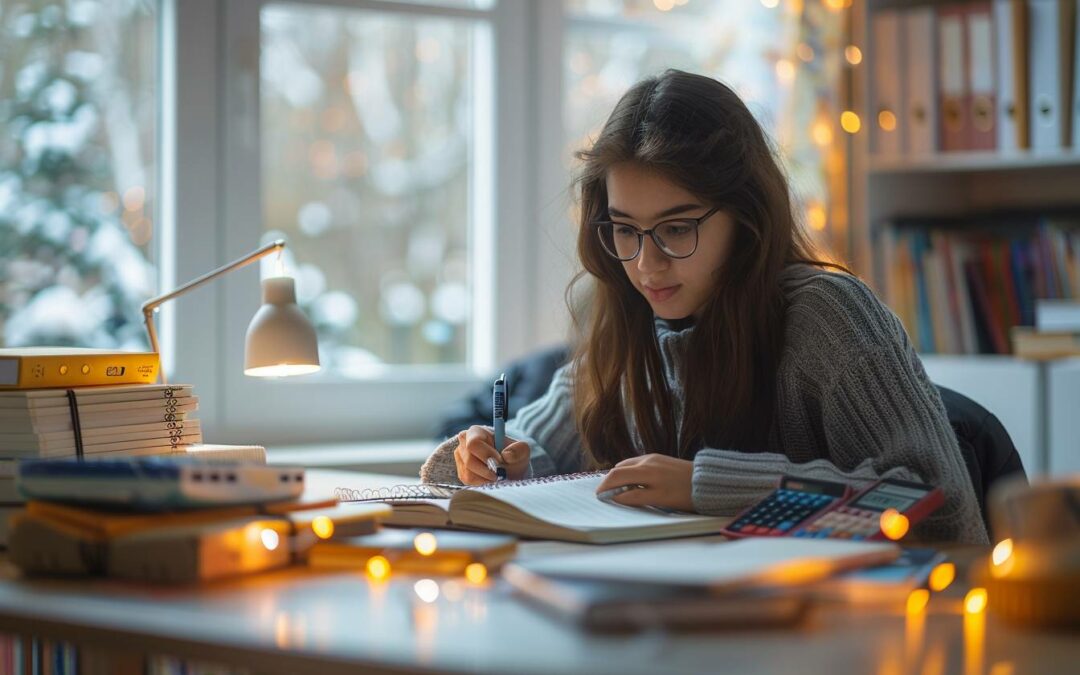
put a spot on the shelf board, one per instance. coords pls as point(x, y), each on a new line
point(972, 162)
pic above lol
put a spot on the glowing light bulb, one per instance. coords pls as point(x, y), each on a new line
point(476, 573)
point(975, 601)
point(942, 577)
point(1002, 552)
point(378, 568)
point(770, 4)
point(853, 55)
point(894, 524)
point(323, 527)
point(425, 543)
point(850, 122)
point(886, 119)
point(917, 600)
point(270, 539)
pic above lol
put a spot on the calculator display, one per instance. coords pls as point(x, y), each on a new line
point(888, 496)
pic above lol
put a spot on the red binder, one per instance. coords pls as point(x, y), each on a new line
point(953, 85)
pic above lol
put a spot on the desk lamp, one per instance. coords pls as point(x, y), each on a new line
point(280, 340)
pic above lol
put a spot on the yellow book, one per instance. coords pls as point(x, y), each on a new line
point(51, 367)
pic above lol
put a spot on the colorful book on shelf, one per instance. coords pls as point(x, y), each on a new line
point(1029, 343)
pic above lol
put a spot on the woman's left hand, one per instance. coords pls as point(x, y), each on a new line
point(666, 482)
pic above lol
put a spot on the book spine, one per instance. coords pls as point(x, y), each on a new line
point(77, 370)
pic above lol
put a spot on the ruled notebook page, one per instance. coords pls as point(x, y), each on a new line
point(569, 502)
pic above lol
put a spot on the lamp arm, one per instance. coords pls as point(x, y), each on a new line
point(151, 305)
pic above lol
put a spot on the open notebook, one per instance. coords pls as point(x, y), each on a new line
point(553, 507)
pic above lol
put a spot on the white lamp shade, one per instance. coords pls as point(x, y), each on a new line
point(280, 339)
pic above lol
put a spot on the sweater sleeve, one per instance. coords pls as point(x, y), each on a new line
point(880, 420)
point(879, 417)
point(546, 424)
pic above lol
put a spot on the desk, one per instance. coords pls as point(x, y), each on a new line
point(297, 621)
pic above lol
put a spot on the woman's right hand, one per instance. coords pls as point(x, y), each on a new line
point(476, 445)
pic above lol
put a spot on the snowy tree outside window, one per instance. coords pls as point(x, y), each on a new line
point(78, 105)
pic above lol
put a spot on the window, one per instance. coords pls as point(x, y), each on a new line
point(368, 137)
point(415, 156)
point(783, 59)
point(78, 104)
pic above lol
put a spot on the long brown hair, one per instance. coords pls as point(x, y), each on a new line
point(697, 133)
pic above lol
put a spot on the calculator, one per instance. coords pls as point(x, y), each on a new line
point(796, 500)
point(860, 517)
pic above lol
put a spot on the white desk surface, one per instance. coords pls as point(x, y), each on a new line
point(296, 621)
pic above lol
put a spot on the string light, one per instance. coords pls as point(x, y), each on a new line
point(917, 601)
point(805, 52)
point(853, 55)
point(323, 527)
point(427, 590)
point(1002, 552)
point(887, 120)
point(785, 70)
point(821, 132)
point(425, 543)
point(942, 577)
point(476, 573)
point(770, 4)
point(816, 217)
point(894, 524)
point(975, 601)
point(378, 568)
point(850, 122)
point(270, 539)
point(664, 5)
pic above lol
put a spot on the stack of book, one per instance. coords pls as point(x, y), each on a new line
point(93, 404)
point(1056, 333)
point(110, 421)
point(171, 520)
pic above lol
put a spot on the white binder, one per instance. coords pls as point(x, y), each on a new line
point(1012, 109)
point(1076, 82)
point(1045, 74)
point(887, 87)
point(920, 118)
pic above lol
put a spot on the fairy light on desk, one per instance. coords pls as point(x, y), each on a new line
point(280, 339)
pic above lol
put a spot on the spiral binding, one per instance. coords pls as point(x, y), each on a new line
point(444, 490)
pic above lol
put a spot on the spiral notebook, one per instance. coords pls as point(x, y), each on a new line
point(553, 507)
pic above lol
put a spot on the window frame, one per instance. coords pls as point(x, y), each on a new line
point(210, 100)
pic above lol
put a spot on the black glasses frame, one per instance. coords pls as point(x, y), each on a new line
point(651, 232)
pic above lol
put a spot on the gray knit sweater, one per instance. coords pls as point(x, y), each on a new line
point(853, 404)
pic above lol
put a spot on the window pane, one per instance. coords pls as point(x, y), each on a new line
point(783, 61)
point(78, 94)
point(367, 136)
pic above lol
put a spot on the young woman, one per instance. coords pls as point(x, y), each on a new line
point(717, 352)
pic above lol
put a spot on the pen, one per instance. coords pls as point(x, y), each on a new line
point(498, 404)
point(608, 495)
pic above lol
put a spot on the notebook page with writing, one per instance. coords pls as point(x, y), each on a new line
point(567, 508)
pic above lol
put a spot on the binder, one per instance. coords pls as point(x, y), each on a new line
point(1075, 124)
point(887, 137)
point(955, 99)
point(1011, 32)
point(981, 76)
point(920, 119)
point(1050, 24)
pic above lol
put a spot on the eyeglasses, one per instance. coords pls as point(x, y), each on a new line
point(675, 238)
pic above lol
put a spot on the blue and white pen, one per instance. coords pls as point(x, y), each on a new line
point(498, 404)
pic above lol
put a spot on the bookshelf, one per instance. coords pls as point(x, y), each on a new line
point(1031, 399)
